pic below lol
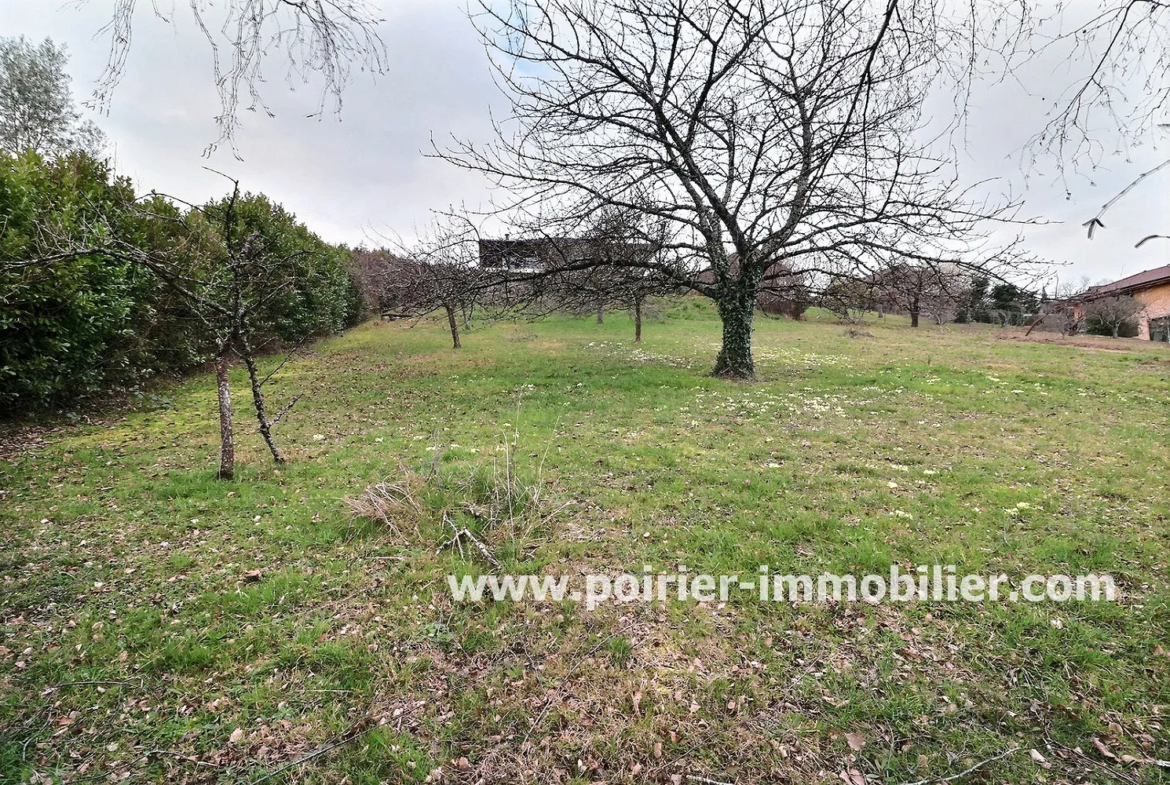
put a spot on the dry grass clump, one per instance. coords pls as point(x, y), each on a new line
point(394, 504)
point(476, 510)
point(857, 331)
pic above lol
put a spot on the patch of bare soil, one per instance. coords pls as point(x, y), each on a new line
point(1095, 342)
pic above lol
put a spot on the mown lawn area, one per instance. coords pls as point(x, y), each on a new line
point(138, 642)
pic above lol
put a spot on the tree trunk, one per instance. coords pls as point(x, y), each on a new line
point(601, 314)
point(1116, 330)
point(637, 320)
point(737, 305)
point(914, 313)
point(261, 409)
point(227, 444)
point(454, 326)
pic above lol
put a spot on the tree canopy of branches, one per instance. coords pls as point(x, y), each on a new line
point(623, 246)
point(1117, 96)
point(438, 272)
point(935, 291)
point(780, 133)
point(36, 107)
point(317, 38)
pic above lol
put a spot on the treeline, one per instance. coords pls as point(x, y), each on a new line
point(78, 318)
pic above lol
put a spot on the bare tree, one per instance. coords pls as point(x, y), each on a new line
point(772, 131)
point(788, 295)
point(623, 244)
point(849, 299)
point(1062, 311)
point(932, 290)
point(1112, 313)
point(317, 37)
point(438, 272)
point(227, 276)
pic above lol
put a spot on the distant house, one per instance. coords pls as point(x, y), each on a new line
point(515, 256)
point(1152, 290)
point(529, 256)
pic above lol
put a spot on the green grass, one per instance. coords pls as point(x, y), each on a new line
point(134, 643)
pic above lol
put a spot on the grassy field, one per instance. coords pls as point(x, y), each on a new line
point(156, 624)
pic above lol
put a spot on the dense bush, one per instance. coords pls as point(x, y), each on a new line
point(87, 323)
point(58, 322)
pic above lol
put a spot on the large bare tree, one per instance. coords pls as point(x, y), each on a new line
point(771, 138)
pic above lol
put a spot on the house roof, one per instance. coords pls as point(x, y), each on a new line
point(1134, 283)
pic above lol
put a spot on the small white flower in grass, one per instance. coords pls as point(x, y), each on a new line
point(773, 465)
point(318, 437)
point(929, 472)
point(891, 484)
point(378, 440)
point(903, 514)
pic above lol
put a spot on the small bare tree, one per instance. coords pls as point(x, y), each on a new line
point(1112, 313)
point(439, 272)
point(226, 275)
point(623, 245)
point(935, 291)
point(1062, 312)
point(848, 298)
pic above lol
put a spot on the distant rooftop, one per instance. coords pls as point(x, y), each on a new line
point(1133, 283)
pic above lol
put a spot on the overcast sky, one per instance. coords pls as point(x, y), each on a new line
point(354, 178)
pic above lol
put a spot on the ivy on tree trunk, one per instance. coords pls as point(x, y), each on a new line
point(736, 302)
